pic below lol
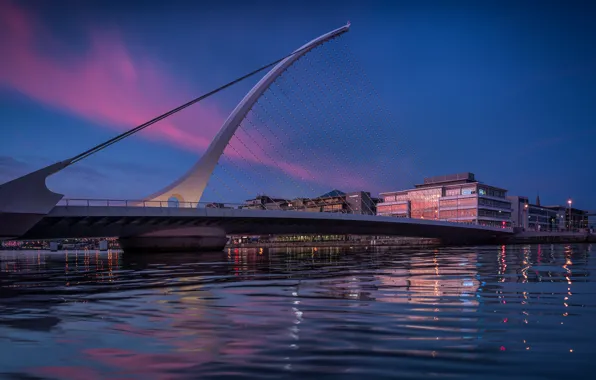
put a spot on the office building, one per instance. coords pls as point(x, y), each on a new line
point(570, 218)
point(359, 202)
point(532, 217)
point(455, 198)
point(265, 202)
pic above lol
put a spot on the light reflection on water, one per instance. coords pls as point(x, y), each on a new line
point(490, 312)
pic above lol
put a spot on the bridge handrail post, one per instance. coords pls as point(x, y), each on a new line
point(144, 203)
point(126, 203)
point(108, 202)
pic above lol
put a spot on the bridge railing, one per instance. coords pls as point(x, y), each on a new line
point(75, 202)
point(175, 204)
point(172, 204)
point(142, 203)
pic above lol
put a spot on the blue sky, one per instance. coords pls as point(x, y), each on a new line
point(502, 89)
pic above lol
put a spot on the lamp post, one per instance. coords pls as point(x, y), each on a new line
point(569, 220)
point(526, 216)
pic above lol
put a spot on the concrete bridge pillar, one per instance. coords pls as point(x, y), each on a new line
point(192, 239)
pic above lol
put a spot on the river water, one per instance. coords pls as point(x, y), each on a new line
point(481, 312)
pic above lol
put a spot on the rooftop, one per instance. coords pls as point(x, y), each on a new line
point(332, 193)
point(448, 179)
point(566, 207)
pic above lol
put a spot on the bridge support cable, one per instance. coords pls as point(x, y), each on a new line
point(193, 183)
point(226, 160)
point(238, 182)
point(301, 112)
point(304, 132)
point(139, 128)
point(346, 113)
point(258, 159)
point(218, 195)
point(322, 118)
point(322, 125)
point(340, 122)
point(306, 181)
point(297, 147)
point(298, 186)
point(364, 132)
point(361, 78)
point(236, 166)
point(372, 110)
point(355, 130)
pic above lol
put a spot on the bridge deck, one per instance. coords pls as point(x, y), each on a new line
point(103, 221)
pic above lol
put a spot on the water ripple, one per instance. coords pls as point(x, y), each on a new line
point(479, 312)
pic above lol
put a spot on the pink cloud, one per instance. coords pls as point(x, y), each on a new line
point(105, 84)
point(108, 85)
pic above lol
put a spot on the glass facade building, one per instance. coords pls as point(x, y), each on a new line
point(532, 217)
point(570, 218)
point(455, 198)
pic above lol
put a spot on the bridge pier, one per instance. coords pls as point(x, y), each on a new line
point(195, 239)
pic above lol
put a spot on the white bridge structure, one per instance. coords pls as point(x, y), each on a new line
point(29, 210)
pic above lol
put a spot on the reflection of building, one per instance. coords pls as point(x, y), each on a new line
point(456, 198)
point(359, 202)
point(532, 216)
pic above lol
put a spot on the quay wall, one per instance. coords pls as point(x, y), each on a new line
point(550, 237)
point(397, 242)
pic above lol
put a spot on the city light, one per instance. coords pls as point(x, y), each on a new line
point(569, 220)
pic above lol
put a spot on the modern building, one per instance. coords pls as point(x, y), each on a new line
point(456, 198)
point(216, 205)
point(570, 218)
point(359, 202)
point(532, 217)
point(265, 202)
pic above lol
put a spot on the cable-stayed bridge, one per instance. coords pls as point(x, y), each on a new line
point(295, 134)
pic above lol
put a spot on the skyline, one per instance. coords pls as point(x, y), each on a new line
point(72, 81)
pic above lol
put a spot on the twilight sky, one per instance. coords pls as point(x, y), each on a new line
point(503, 89)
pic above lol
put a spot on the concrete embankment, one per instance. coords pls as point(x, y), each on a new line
point(550, 237)
point(519, 238)
point(397, 242)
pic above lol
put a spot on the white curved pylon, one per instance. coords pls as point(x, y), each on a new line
point(190, 187)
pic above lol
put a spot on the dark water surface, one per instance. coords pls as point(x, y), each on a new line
point(480, 313)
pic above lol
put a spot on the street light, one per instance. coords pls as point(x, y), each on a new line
point(569, 220)
point(526, 217)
